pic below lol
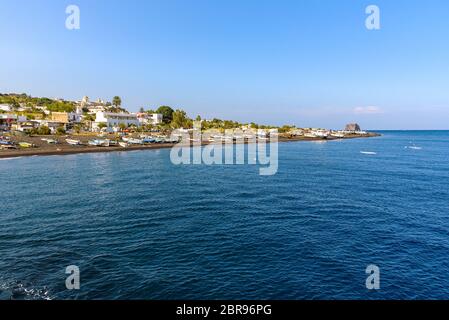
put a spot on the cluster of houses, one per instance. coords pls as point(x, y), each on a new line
point(104, 119)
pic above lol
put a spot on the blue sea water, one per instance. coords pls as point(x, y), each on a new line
point(139, 227)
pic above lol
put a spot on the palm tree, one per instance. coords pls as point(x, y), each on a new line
point(116, 101)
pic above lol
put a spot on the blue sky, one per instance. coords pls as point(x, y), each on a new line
point(304, 62)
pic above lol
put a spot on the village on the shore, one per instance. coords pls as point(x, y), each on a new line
point(28, 122)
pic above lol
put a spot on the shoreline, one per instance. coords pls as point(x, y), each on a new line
point(65, 149)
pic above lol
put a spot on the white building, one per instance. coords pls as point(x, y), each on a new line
point(92, 106)
point(146, 118)
point(5, 107)
point(114, 120)
point(43, 109)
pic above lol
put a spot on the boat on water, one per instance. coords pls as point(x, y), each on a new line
point(413, 147)
point(73, 142)
point(126, 139)
point(123, 144)
point(368, 152)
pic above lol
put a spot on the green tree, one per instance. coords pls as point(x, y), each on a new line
point(60, 130)
point(167, 113)
point(122, 126)
point(88, 117)
point(180, 120)
point(102, 125)
point(117, 102)
point(77, 128)
point(15, 105)
point(285, 128)
point(44, 131)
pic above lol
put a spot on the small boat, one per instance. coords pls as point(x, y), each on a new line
point(125, 139)
point(413, 147)
point(95, 143)
point(134, 141)
point(73, 142)
point(148, 140)
point(99, 142)
point(50, 141)
point(337, 135)
point(26, 145)
point(123, 144)
point(7, 147)
point(368, 152)
point(5, 142)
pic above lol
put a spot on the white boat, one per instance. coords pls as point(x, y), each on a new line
point(99, 142)
point(95, 143)
point(323, 134)
point(368, 152)
point(320, 134)
point(338, 134)
point(125, 139)
point(123, 144)
point(134, 141)
point(50, 141)
point(73, 142)
point(413, 147)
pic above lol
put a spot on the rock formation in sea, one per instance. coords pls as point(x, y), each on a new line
point(353, 127)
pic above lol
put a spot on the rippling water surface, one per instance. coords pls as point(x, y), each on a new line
point(141, 228)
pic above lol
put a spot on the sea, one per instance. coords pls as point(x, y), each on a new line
point(139, 227)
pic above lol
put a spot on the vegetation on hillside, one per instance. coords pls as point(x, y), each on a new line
point(172, 119)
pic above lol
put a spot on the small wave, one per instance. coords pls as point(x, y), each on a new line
point(413, 148)
point(19, 291)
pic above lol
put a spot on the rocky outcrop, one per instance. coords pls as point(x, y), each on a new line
point(353, 127)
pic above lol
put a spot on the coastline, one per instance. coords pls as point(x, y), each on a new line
point(65, 149)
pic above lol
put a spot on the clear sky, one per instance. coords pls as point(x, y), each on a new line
point(303, 62)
